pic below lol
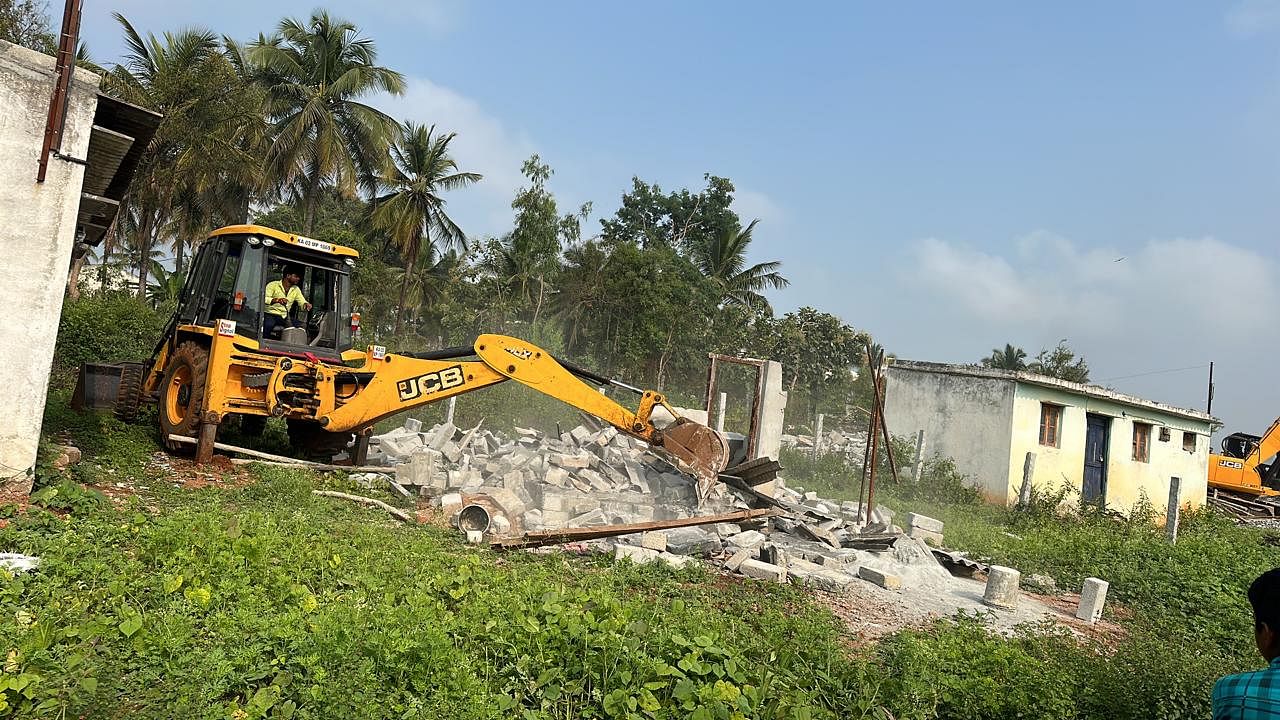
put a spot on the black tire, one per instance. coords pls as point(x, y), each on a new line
point(129, 394)
point(312, 442)
point(182, 395)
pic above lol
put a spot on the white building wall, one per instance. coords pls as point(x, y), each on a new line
point(964, 418)
point(1128, 481)
point(37, 230)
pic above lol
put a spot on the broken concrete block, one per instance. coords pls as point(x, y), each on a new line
point(580, 435)
point(691, 541)
point(596, 480)
point(818, 576)
point(725, 530)
point(748, 539)
point(738, 557)
point(762, 571)
point(557, 476)
point(589, 519)
point(571, 461)
point(675, 561)
point(884, 580)
point(451, 451)
point(924, 522)
point(811, 495)
point(637, 555)
point(413, 425)
point(450, 502)
point(532, 519)
point(1038, 583)
point(554, 518)
point(1002, 587)
point(1092, 598)
point(654, 540)
point(929, 536)
point(441, 435)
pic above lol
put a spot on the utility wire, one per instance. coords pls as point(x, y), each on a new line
point(1156, 372)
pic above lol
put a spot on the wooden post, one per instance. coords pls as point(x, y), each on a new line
point(919, 469)
point(360, 453)
point(448, 413)
point(1171, 513)
point(724, 398)
point(817, 437)
point(1028, 472)
point(204, 443)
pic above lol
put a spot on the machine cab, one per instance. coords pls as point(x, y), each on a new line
point(228, 282)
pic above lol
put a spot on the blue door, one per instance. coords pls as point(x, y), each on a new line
point(1097, 432)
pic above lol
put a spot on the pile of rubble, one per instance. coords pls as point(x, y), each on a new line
point(592, 478)
point(585, 477)
point(850, 444)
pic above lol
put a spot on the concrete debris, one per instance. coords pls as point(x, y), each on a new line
point(1038, 583)
point(18, 563)
point(592, 484)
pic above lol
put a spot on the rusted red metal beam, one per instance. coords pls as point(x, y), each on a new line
point(555, 537)
point(65, 66)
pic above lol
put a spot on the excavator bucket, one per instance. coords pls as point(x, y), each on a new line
point(698, 450)
point(96, 387)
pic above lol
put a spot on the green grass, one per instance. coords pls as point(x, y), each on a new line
point(269, 601)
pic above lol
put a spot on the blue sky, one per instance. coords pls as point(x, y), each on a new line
point(948, 176)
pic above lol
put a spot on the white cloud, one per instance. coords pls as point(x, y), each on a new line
point(1169, 303)
point(484, 144)
point(751, 205)
point(1250, 17)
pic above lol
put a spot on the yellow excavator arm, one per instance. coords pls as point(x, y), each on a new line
point(401, 382)
point(1247, 474)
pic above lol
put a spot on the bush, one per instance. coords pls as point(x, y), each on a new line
point(107, 328)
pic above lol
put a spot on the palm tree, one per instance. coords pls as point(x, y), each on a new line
point(313, 74)
point(723, 259)
point(1010, 358)
point(412, 209)
point(167, 288)
point(198, 149)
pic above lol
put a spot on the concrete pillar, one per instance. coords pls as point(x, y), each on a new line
point(1002, 587)
point(1092, 598)
point(919, 464)
point(1174, 509)
point(1028, 472)
point(724, 398)
point(773, 404)
point(36, 239)
point(448, 413)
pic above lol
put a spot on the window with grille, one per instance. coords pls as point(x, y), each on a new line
point(1142, 442)
point(1050, 424)
point(1189, 441)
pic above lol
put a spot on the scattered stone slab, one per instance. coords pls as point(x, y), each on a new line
point(762, 570)
point(884, 580)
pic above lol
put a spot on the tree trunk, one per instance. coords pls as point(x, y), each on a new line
point(73, 278)
point(145, 243)
point(411, 254)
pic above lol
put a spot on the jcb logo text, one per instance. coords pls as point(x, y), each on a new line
point(416, 387)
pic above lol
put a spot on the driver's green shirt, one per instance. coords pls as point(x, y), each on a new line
point(275, 289)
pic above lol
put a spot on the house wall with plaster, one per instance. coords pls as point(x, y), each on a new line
point(1128, 481)
point(36, 238)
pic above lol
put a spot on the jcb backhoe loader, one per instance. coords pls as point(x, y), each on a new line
point(214, 362)
point(1248, 464)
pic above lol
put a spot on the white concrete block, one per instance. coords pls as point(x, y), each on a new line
point(1092, 598)
point(924, 522)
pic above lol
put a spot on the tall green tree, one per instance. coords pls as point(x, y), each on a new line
point(25, 23)
point(723, 259)
point(314, 74)
point(680, 219)
point(197, 148)
point(1010, 358)
point(412, 209)
point(820, 355)
point(527, 260)
point(1060, 362)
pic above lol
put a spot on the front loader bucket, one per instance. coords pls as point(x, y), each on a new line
point(96, 387)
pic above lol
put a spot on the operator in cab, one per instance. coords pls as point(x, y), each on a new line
point(283, 295)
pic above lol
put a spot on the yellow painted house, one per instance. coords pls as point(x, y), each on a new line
point(1103, 445)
